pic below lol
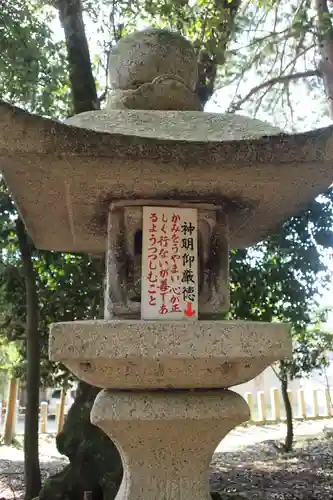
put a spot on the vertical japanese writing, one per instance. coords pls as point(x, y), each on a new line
point(152, 258)
point(175, 264)
point(169, 260)
point(188, 258)
point(163, 254)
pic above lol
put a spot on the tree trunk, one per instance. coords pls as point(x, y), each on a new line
point(31, 456)
point(288, 444)
point(11, 413)
point(328, 391)
point(95, 463)
point(208, 62)
point(84, 93)
point(325, 42)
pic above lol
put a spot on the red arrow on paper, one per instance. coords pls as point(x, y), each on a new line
point(189, 311)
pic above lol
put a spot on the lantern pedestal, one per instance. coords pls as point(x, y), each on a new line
point(167, 439)
point(162, 403)
point(165, 191)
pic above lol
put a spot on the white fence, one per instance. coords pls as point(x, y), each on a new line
point(263, 409)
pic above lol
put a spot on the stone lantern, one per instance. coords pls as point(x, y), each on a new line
point(165, 190)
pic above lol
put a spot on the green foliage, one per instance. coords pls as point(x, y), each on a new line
point(259, 47)
point(32, 64)
point(272, 66)
point(277, 280)
point(281, 279)
point(267, 51)
point(9, 359)
point(69, 288)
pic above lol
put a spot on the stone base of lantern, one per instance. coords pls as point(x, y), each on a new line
point(167, 439)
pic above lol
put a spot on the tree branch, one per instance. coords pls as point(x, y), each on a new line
point(208, 60)
point(325, 45)
point(31, 456)
point(103, 96)
point(284, 79)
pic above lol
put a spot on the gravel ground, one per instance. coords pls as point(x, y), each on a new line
point(260, 472)
point(246, 463)
point(12, 469)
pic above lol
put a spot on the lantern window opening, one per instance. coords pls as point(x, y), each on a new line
point(138, 242)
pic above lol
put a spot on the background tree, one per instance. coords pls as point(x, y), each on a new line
point(279, 279)
point(37, 74)
point(68, 287)
point(280, 44)
point(310, 353)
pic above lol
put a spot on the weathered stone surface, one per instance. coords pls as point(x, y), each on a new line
point(124, 257)
point(166, 94)
point(164, 354)
point(69, 175)
point(190, 126)
point(117, 258)
point(167, 439)
point(214, 279)
point(328, 431)
point(64, 178)
point(145, 55)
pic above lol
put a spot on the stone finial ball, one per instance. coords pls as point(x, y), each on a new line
point(144, 55)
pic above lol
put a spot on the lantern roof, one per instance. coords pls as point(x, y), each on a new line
point(64, 177)
point(153, 142)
